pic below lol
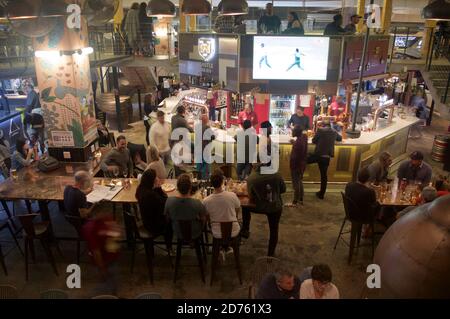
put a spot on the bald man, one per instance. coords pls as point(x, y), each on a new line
point(75, 201)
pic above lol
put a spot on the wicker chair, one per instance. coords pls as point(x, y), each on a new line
point(8, 292)
point(261, 267)
point(54, 294)
point(148, 295)
point(105, 297)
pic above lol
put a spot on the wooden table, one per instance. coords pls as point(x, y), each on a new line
point(394, 197)
point(40, 186)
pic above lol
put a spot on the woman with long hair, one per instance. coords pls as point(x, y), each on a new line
point(23, 155)
point(155, 162)
point(152, 199)
point(294, 25)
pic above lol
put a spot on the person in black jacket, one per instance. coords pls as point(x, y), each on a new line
point(152, 199)
point(324, 140)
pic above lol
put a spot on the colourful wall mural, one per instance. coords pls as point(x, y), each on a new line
point(64, 83)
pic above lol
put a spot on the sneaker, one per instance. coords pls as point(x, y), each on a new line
point(229, 250)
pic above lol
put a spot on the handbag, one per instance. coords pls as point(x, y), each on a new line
point(48, 164)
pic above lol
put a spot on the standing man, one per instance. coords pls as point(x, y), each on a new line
point(334, 28)
point(351, 27)
point(415, 169)
point(324, 140)
point(265, 191)
point(118, 159)
point(299, 118)
point(204, 168)
point(178, 119)
point(269, 23)
point(160, 136)
point(32, 98)
point(247, 114)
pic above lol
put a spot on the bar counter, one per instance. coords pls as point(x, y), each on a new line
point(350, 154)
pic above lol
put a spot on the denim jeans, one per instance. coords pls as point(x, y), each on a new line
point(323, 163)
point(273, 219)
point(297, 184)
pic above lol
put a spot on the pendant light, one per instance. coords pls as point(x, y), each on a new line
point(437, 10)
point(233, 7)
point(160, 8)
point(196, 7)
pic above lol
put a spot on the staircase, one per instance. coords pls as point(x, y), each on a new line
point(439, 75)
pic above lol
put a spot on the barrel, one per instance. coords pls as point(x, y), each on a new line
point(440, 145)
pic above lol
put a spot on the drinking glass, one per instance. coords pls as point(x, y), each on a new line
point(14, 174)
point(115, 173)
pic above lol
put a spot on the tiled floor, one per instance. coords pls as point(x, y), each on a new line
point(307, 236)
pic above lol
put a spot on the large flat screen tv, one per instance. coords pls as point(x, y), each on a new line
point(290, 58)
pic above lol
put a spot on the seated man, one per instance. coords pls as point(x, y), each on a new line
point(319, 286)
point(75, 201)
point(222, 206)
point(280, 285)
point(364, 197)
point(117, 162)
point(427, 195)
point(415, 170)
point(183, 207)
point(379, 169)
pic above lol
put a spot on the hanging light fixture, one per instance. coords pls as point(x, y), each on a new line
point(233, 7)
point(196, 7)
point(160, 8)
point(437, 10)
point(30, 9)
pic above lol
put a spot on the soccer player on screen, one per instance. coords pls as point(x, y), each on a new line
point(264, 57)
point(297, 60)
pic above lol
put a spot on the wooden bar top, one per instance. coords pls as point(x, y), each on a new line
point(33, 185)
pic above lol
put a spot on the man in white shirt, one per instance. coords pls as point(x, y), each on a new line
point(159, 137)
point(222, 206)
point(319, 286)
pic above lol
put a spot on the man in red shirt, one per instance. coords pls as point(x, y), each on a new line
point(337, 107)
point(248, 114)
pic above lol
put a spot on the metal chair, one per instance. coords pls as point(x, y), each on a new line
point(353, 215)
point(77, 223)
point(262, 267)
point(226, 240)
point(6, 225)
point(186, 240)
point(148, 295)
point(8, 292)
point(105, 297)
point(140, 234)
point(54, 294)
point(36, 231)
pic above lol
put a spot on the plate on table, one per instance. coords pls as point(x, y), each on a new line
point(167, 187)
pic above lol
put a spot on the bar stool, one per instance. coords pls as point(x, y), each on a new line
point(353, 215)
point(36, 231)
point(77, 224)
point(140, 234)
point(226, 240)
point(186, 240)
point(6, 225)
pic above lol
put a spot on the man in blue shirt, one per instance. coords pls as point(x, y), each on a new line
point(32, 99)
point(280, 285)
